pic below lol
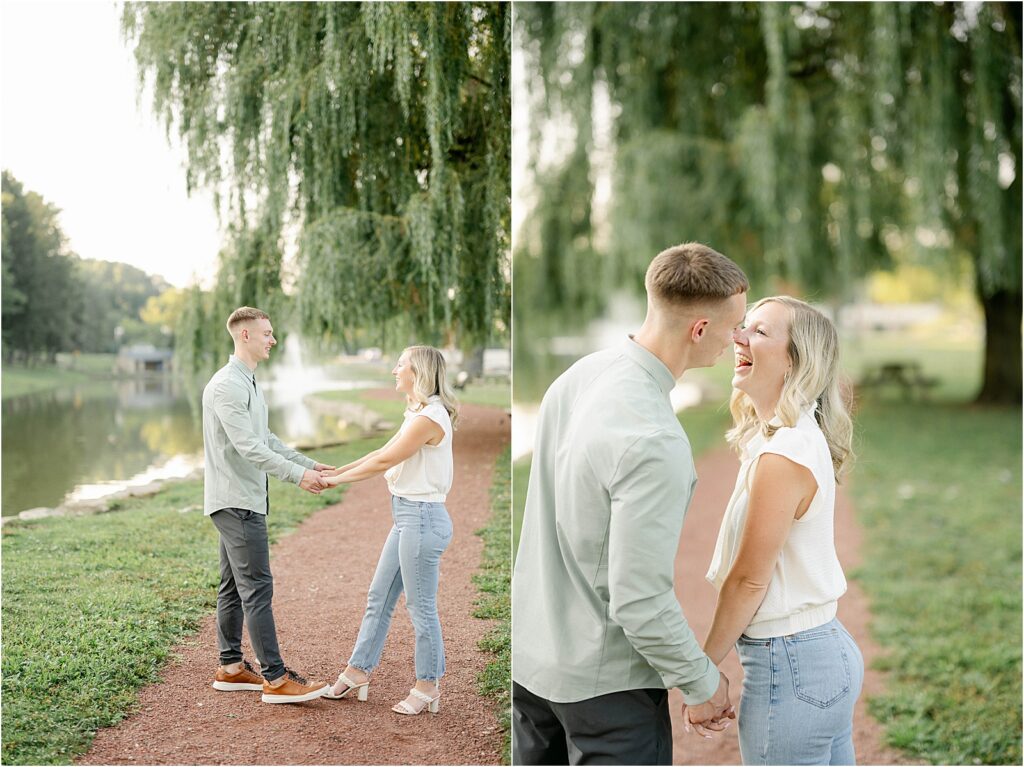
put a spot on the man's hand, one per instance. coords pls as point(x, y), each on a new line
point(712, 715)
point(312, 481)
point(322, 467)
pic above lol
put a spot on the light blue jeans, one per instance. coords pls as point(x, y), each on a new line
point(410, 561)
point(798, 696)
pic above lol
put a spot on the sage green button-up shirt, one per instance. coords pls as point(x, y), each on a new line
point(593, 598)
point(240, 450)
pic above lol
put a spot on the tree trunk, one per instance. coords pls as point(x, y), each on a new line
point(1002, 382)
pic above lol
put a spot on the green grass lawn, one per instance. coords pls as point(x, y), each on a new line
point(520, 481)
point(494, 583)
point(389, 409)
point(18, 380)
point(937, 488)
point(488, 394)
point(93, 605)
point(938, 492)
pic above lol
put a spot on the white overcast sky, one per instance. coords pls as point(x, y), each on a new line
point(74, 131)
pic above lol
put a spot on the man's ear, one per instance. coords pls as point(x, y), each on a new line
point(243, 334)
point(697, 330)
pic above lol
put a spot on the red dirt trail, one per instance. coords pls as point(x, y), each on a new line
point(321, 575)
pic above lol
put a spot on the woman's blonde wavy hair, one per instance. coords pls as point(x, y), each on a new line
point(431, 379)
point(814, 353)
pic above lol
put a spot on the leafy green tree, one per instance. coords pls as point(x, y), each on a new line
point(813, 142)
point(39, 291)
point(113, 295)
point(376, 133)
point(162, 312)
point(52, 300)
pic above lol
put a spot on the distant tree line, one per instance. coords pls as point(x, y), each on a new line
point(55, 302)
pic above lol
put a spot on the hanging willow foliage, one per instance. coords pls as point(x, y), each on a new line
point(812, 142)
point(379, 131)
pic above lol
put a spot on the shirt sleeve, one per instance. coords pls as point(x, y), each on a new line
point(289, 453)
point(436, 413)
point(796, 446)
point(232, 411)
point(649, 495)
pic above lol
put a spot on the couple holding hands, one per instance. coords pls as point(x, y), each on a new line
point(241, 452)
point(598, 634)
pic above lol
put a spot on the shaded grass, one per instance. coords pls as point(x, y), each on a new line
point(938, 491)
point(494, 583)
point(18, 380)
point(390, 409)
point(520, 481)
point(489, 394)
point(92, 607)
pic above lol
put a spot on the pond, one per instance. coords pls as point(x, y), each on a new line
point(86, 441)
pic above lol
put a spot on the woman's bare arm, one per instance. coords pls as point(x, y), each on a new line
point(402, 446)
point(779, 492)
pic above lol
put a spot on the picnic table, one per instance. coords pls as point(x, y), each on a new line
point(907, 377)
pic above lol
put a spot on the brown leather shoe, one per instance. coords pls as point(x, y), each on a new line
point(246, 679)
point(294, 690)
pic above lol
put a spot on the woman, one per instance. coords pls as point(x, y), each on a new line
point(417, 463)
point(775, 563)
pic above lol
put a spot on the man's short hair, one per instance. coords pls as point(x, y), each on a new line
point(691, 273)
point(244, 314)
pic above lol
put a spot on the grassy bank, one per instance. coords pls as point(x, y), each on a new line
point(93, 605)
point(938, 491)
point(18, 380)
point(489, 394)
point(494, 583)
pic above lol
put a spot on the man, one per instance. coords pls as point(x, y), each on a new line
point(598, 634)
point(240, 452)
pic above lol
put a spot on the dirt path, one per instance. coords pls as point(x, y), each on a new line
point(717, 473)
point(319, 596)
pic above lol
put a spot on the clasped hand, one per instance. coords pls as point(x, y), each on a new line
point(712, 715)
point(315, 480)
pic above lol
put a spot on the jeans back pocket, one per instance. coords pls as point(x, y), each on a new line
point(821, 670)
point(439, 521)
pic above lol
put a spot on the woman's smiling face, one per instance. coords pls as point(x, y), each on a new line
point(762, 353)
point(404, 375)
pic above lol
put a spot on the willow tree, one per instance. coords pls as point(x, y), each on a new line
point(375, 134)
point(812, 142)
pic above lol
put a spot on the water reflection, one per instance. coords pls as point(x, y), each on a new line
point(55, 440)
point(88, 440)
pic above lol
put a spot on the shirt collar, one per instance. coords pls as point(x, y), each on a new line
point(241, 367)
point(655, 368)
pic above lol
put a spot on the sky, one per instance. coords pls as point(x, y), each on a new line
point(74, 130)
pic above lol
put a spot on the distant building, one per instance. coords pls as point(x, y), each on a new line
point(143, 359)
point(497, 362)
point(886, 317)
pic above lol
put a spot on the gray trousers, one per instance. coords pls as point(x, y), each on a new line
point(629, 727)
point(246, 590)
